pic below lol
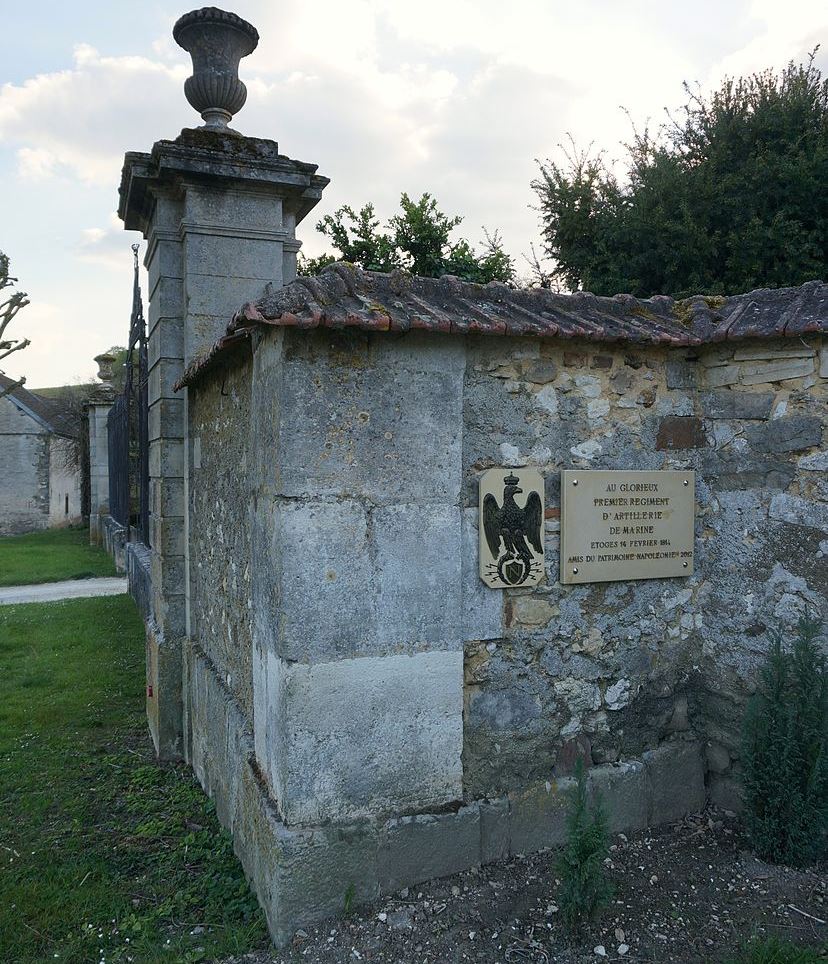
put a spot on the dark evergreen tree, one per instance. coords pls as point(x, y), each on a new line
point(785, 753)
point(584, 888)
point(730, 196)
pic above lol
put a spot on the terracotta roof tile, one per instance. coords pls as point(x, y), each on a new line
point(343, 296)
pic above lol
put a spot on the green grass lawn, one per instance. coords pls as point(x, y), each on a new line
point(50, 556)
point(104, 856)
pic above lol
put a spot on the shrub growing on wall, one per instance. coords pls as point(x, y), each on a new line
point(785, 753)
point(584, 886)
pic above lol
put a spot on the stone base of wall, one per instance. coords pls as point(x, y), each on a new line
point(137, 563)
point(302, 875)
point(113, 537)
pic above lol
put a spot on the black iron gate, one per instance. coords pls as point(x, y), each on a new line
point(128, 429)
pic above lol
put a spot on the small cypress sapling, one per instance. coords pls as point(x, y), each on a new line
point(785, 753)
point(584, 888)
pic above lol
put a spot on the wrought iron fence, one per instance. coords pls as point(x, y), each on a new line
point(128, 429)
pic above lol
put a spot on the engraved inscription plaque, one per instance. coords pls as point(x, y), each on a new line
point(619, 525)
point(511, 527)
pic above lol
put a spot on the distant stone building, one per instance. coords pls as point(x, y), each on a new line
point(40, 475)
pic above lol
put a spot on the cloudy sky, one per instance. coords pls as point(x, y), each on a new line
point(455, 97)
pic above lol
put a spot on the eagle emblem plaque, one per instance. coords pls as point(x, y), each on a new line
point(511, 527)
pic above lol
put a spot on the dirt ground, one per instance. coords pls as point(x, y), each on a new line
point(687, 892)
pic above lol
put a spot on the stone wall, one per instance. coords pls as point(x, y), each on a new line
point(628, 665)
point(24, 479)
point(219, 528)
point(395, 717)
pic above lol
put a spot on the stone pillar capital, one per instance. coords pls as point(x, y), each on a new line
point(214, 160)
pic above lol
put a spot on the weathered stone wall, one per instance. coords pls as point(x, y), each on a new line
point(631, 664)
point(364, 452)
point(219, 527)
point(362, 707)
point(24, 476)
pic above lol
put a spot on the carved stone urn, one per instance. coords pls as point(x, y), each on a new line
point(105, 367)
point(217, 41)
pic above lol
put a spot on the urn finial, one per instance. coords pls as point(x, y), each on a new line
point(105, 372)
point(216, 40)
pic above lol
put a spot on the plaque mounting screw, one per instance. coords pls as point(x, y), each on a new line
point(684, 564)
point(575, 482)
point(686, 482)
point(575, 570)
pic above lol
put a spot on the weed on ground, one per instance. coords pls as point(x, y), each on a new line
point(104, 856)
point(50, 556)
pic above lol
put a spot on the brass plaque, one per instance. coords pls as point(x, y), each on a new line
point(626, 525)
point(511, 527)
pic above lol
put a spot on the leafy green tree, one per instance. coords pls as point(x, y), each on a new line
point(728, 196)
point(785, 753)
point(418, 239)
point(584, 888)
point(10, 305)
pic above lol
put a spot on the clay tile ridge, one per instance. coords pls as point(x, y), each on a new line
point(343, 296)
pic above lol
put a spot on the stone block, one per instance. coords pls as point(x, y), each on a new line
point(162, 377)
point(722, 375)
point(166, 301)
point(793, 434)
point(495, 834)
point(760, 373)
point(538, 815)
point(731, 404)
point(359, 738)
point(384, 432)
point(166, 340)
point(417, 575)
point(771, 353)
point(317, 871)
point(675, 775)
point(541, 371)
point(319, 558)
point(681, 373)
point(166, 458)
point(823, 363)
point(800, 512)
point(602, 361)
point(165, 418)
point(417, 848)
point(163, 695)
point(624, 792)
point(680, 432)
point(231, 210)
point(256, 259)
point(165, 263)
point(482, 607)
point(817, 462)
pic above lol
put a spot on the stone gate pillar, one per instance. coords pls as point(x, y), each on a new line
point(218, 211)
point(98, 406)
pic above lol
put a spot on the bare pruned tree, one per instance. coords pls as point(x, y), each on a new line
point(14, 301)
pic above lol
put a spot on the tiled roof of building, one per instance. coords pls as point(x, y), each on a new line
point(343, 296)
point(47, 412)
